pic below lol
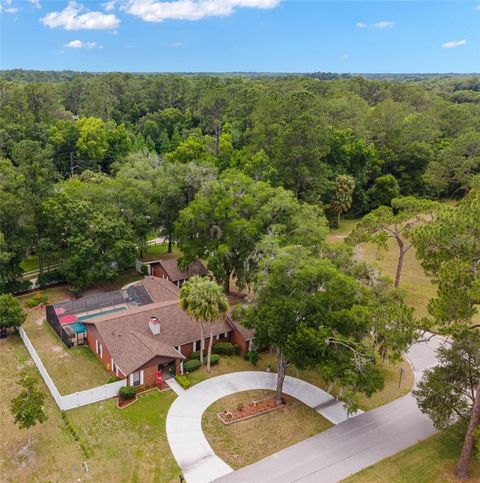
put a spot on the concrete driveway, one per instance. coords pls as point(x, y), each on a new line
point(352, 445)
point(336, 453)
point(194, 455)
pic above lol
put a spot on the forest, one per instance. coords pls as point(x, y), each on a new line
point(92, 164)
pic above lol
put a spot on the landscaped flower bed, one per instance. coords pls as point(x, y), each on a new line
point(255, 408)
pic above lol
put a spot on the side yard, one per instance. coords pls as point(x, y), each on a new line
point(71, 369)
point(121, 445)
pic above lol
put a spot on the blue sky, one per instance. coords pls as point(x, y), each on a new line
point(241, 35)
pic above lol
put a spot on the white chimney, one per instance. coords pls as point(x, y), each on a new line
point(154, 325)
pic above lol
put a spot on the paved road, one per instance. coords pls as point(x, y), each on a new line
point(353, 444)
point(194, 455)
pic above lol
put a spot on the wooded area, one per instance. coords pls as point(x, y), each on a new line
point(92, 163)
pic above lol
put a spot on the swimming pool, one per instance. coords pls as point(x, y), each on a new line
point(79, 327)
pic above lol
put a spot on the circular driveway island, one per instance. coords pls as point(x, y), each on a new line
point(194, 455)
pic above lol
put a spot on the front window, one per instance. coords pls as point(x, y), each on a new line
point(136, 378)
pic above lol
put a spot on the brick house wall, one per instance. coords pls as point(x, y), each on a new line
point(187, 349)
point(150, 369)
point(106, 358)
point(237, 338)
point(158, 271)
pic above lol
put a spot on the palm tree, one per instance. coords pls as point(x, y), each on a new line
point(204, 301)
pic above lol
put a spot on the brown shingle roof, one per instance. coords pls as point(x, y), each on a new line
point(175, 274)
point(247, 334)
point(159, 289)
point(127, 335)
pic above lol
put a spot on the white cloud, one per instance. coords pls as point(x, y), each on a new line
point(35, 3)
point(5, 6)
point(157, 11)
point(78, 44)
point(477, 7)
point(453, 43)
point(72, 18)
point(177, 44)
point(109, 6)
point(383, 24)
point(344, 56)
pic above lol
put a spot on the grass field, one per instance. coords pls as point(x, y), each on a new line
point(245, 442)
point(127, 445)
point(414, 283)
point(430, 461)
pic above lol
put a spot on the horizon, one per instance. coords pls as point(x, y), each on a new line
point(353, 74)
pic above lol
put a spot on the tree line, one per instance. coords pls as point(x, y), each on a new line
point(91, 163)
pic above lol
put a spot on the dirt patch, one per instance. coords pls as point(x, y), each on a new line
point(25, 456)
point(40, 321)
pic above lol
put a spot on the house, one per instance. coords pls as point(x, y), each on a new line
point(168, 269)
point(137, 342)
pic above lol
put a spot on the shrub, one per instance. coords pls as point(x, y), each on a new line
point(236, 349)
point(195, 355)
point(214, 359)
point(224, 348)
point(113, 379)
point(37, 299)
point(251, 356)
point(184, 381)
point(127, 392)
point(50, 277)
point(191, 365)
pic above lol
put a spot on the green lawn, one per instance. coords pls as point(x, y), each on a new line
point(246, 442)
point(30, 263)
point(128, 444)
point(430, 461)
point(71, 369)
point(124, 445)
point(390, 392)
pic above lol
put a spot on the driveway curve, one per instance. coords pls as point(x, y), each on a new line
point(351, 445)
point(193, 453)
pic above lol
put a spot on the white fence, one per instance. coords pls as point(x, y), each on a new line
point(75, 399)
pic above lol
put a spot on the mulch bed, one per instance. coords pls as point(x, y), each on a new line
point(123, 403)
point(255, 408)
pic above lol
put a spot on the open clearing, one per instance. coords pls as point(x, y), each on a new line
point(246, 442)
